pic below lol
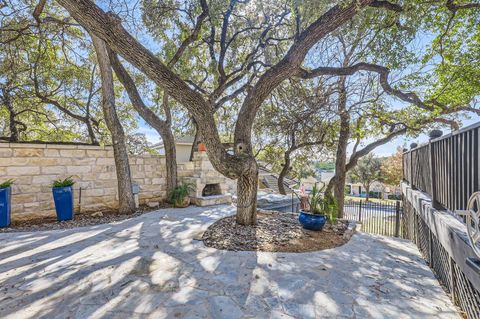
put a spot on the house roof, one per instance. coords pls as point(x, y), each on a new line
point(179, 140)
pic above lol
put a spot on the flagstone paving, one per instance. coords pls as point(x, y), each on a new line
point(154, 266)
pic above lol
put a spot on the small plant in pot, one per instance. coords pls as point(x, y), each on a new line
point(179, 196)
point(63, 197)
point(321, 206)
point(5, 202)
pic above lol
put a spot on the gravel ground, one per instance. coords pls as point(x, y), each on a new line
point(79, 220)
point(274, 232)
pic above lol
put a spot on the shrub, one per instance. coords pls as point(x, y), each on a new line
point(373, 194)
point(322, 204)
point(178, 195)
point(395, 197)
point(7, 183)
point(63, 182)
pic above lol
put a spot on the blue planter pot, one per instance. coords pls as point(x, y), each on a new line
point(63, 197)
point(312, 221)
point(5, 206)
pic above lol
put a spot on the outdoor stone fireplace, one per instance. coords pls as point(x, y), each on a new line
point(211, 190)
point(209, 187)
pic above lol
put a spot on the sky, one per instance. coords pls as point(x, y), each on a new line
point(403, 141)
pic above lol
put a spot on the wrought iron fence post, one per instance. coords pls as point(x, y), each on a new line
point(397, 218)
point(433, 177)
point(430, 248)
point(412, 184)
point(360, 212)
point(452, 279)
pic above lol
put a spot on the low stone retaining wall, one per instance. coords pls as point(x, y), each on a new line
point(35, 166)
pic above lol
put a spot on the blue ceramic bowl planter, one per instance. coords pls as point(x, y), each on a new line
point(312, 221)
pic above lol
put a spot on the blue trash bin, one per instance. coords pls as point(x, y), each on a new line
point(63, 197)
point(5, 206)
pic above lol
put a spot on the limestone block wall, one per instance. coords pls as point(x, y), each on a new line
point(35, 166)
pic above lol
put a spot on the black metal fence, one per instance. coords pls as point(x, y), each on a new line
point(450, 271)
point(446, 168)
point(382, 218)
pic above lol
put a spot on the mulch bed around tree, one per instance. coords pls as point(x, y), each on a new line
point(37, 223)
point(274, 232)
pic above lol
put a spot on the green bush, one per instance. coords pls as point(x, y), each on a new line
point(63, 182)
point(395, 197)
point(322, 204)
point(178, 195)
point(372, 194)
point(331, 207)
point(7, 183)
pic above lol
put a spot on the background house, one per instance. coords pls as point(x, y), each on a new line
point(183, 145)
point(382, 190)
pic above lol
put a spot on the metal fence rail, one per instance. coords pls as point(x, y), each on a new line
point(446, 268)
point(446, 168)
point(382, 218)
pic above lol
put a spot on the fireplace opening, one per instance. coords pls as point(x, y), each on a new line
point(211, 190)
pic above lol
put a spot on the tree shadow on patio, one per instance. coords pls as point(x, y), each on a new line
point(154, 266)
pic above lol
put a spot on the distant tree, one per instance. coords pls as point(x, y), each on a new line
point(299, 123)
point(137, 144)
point(325, 166)
point(366, 172)
point(391, 169)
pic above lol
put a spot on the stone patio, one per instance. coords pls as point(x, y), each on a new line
point(153, 266)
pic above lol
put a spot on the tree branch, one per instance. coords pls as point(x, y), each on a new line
point(386, 5)
point(370, 147)
point(288, 66)
point(452, 6)
point(38, 11)
point(108, 27)
point(147, 114)
point(193, 36)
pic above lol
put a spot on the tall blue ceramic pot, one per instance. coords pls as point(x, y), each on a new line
point(312, 221)
point(5, 206)
point(63, 197)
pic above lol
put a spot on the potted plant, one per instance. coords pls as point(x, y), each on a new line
point(179, 196)
point(5, 202)
point(320, 206)
point(63, 197)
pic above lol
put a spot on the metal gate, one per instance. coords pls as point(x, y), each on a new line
point(379, 217)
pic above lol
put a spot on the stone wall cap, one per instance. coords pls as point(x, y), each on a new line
point(27, 145)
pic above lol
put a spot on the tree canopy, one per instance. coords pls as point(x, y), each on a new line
point(223, 67)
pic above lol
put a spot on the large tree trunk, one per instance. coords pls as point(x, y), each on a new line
point(125, 193)
point(247, 187)
point(162, 127)
point(170, 159)
point(340, 173)
point(367, 190)
point(338, 181)
point(14, 134)
point(91, 132)
point(196, 139)
point(283, 173)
